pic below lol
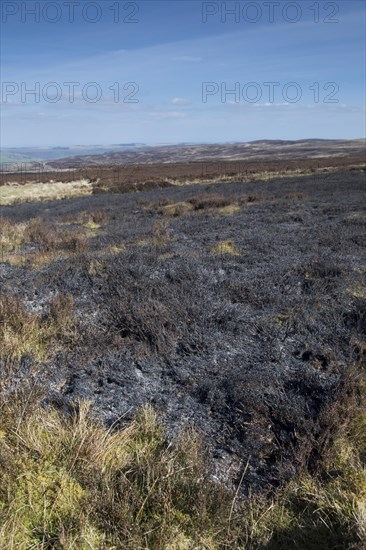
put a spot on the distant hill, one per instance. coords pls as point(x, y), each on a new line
point(139, 153)
point(40, 155)
point(263, 149)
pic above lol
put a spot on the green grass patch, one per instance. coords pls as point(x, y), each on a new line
point(68, 482)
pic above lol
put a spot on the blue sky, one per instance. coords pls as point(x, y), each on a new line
point(174, 64)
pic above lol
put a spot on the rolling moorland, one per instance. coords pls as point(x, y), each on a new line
point(12, 157)
point(166, 166)
point(183, 355)
point(51, 158)
point(265, 149)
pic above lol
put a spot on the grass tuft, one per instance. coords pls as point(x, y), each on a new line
point(225, 247)
point(37, 243)
point(69, 482)
point(24, 332)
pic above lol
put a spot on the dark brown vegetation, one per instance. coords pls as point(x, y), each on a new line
point(125, 177)
point(242, 315)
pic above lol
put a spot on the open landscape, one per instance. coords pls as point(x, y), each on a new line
point(189, 342)
point(161, 167)
point(182, 275)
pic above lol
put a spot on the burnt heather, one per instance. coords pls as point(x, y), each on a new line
point(237, 308)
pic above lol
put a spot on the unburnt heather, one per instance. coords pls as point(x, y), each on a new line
point(238, 309)
point(124, 176)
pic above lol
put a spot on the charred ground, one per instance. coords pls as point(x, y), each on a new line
point(237, 308)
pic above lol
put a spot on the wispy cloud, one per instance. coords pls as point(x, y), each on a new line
point(167, 114)
point(272, 105)
point(180, 101)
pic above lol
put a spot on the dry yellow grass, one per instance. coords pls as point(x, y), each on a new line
point(34, 259)
point(24, 332)
point(33, 192)
point(160, 233)
point(177, 209)
point(229, 210)
point(113, 249)
point(11, 235)
point(166, 256)
point(225, 247)
point(48, 243)
point(141, 242)
point(358, 290)
point(255, 176)
point(91, 219)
